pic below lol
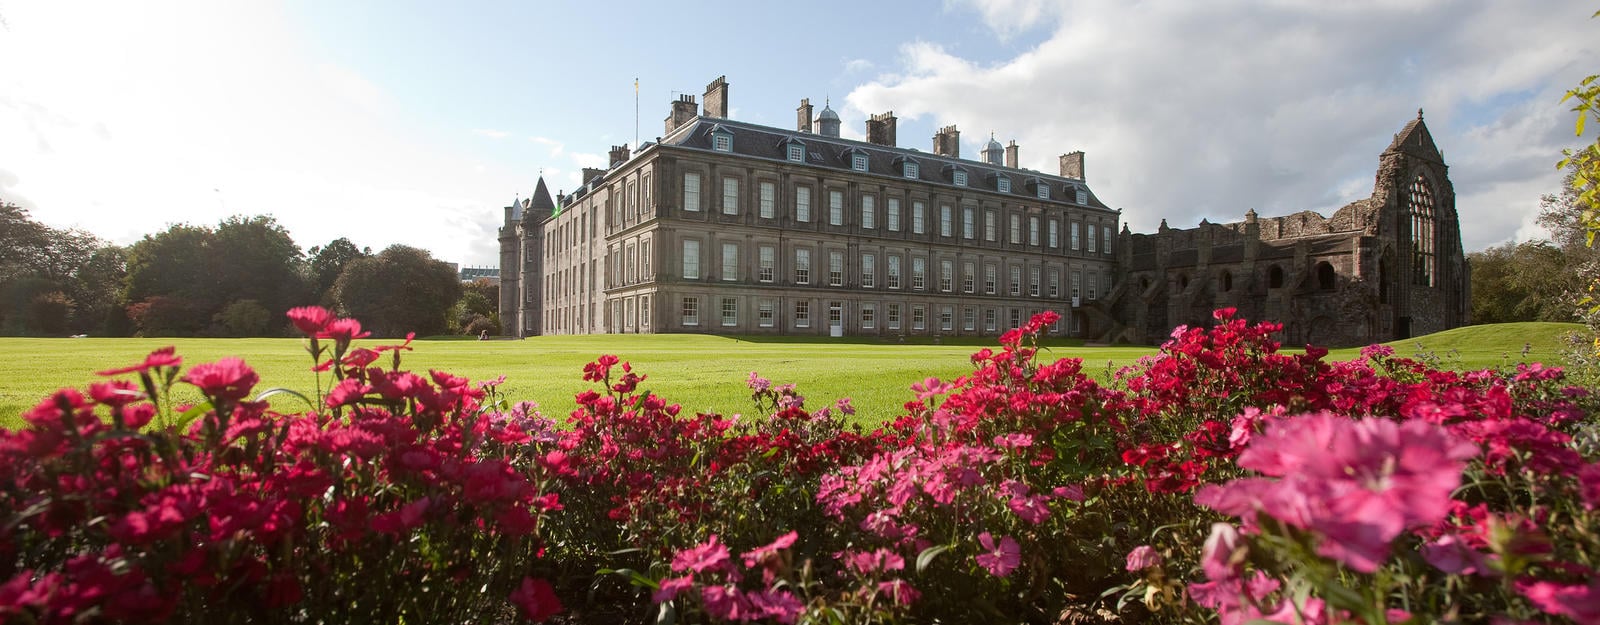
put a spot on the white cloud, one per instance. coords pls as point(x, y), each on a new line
point(1204, 110)
point(128, 122)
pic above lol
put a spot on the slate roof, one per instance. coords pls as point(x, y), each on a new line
point(770, 143)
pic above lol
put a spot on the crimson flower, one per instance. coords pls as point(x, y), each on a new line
point(536, 600)
point(343, 330)
point(164, 357)
point(310, 319)
point(228, 379)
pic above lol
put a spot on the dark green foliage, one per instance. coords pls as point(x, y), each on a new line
point(201, 271)
point(400, 290)
point(327, 262)
point(36, 259)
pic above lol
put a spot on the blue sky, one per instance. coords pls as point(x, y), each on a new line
point(414, 122)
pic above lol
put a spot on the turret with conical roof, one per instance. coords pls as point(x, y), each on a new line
point(541, 206)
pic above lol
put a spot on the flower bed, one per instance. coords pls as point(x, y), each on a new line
point(1217, 479)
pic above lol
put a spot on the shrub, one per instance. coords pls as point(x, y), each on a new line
point(1218, 479)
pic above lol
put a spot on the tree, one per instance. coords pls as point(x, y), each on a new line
point(37, 259)
point(402, 289)
point(203, 270)
point(1528, 281)
point(328, 261)
point(256, 259)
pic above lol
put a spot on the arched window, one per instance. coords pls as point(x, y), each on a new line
point(1325, 276)
point(1183, 282)
point(1275, 277)
point(1227, 281)
point(1419, 203)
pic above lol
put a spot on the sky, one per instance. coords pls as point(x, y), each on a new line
point(415, 122)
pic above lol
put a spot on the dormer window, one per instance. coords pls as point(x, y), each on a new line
point(858, 162)
point(797, 153)
point(959, 178)
point(1044, 191)
point(912, 170)
point(1083, 195)
point(721, 139)
point(1004, 185)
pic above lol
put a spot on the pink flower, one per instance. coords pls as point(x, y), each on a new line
point(871, 562)
point(343, 331)
point(163, 357)
point(780, 605)
point(930, 388)
point(1578, 602)
point(310, 319)
point(1143, 557)
point(1452, 555)
point(756, 556)
point(758, 383)
point(228, 379)
point(670, 587)
point(115, 392)
point(999, 559)
point(1223, 556)
point(1589, 485)
point(536, 600)
point(710, 555)
point(1358, 484)
point(900, 592)
point(1071, 492)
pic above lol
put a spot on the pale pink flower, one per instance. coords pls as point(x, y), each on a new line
point(1001, 558)
point(1143, 557)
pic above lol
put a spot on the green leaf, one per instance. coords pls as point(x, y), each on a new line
point(926, 557)
point(194, 412)
point(285, 391)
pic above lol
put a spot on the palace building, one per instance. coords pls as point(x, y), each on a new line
point(721, 226)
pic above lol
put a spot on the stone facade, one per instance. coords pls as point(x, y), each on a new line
point(1383, 268)
point(722, 226)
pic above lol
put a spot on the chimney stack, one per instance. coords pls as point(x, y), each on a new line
point(683, 110)
point(881, 129)
point(1072, 165)
point(590, 173)
point(947, 142)
point(619, 155)
point(1011, 154)
point(803, 116)
point(717, 98)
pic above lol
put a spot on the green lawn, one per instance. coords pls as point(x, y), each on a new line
point(699, 372)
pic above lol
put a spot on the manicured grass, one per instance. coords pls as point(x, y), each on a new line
point(702, 373)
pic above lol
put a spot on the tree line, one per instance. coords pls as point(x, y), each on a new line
point(236, 278)
point(1541, 279)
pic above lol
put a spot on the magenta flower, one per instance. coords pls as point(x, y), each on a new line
point(536, 600)
point(310, 320)
point(710, 555)
point(900, 592)
point(670, 587)
point(1143, 557)
point(164, 357)
point(1000, 559)
point(228, 379)
point(758, 383)
point(756, 556)
point(1358, 484)
point(1580, 602)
